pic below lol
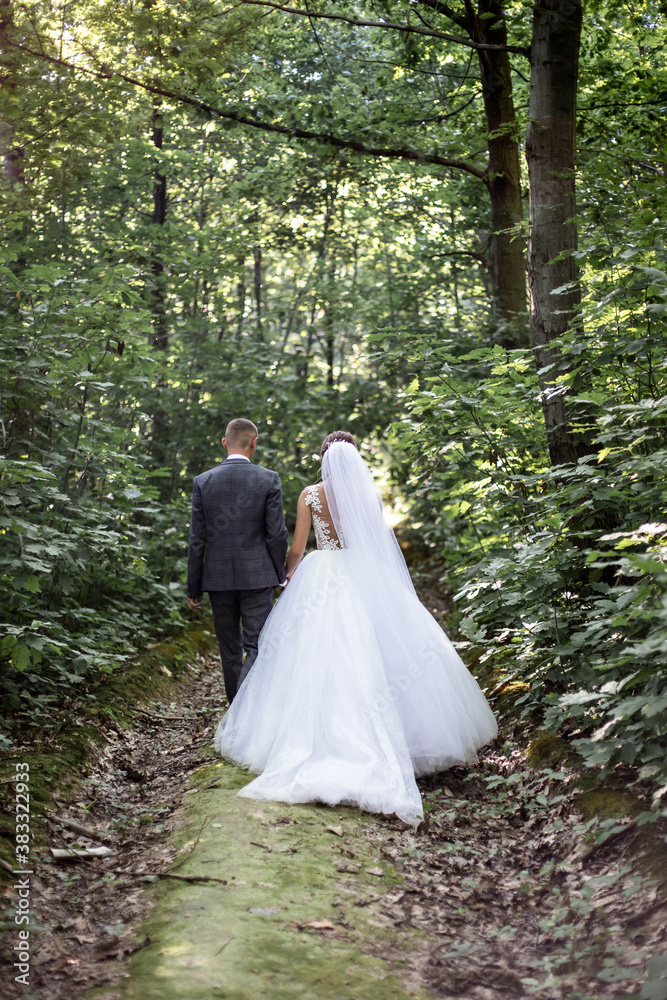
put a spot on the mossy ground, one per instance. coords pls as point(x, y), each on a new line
point(288, 920)
point(607, 803)
point(205, 939)
point(326, 903)
point(58, 755)
point(547, 750)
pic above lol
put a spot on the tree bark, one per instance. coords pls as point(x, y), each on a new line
point(158, 299)
point(550, 152)
point(159, 291)
point(12, 153)
point(503, 178)
point(240, 296)
point(329, 324)
point(258, 291)
point(508, 258)
point(17, 437)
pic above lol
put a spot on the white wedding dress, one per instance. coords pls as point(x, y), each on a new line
point(356, 689)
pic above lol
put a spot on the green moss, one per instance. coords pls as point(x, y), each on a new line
point(58, 763)
point(606, 803)
point(250, 938)
point(547, 750)
point(588, 779)
point(152, 674)
point(505, 701)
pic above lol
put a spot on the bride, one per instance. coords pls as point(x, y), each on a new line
point(356, 689)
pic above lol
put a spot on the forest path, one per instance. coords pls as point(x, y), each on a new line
point(503, 892)
point(294, 917)
point(290, 908)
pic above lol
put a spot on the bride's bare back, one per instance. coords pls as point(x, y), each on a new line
point(325, 533)
point(312, 510)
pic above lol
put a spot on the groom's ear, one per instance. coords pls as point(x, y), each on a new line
point(224, 444)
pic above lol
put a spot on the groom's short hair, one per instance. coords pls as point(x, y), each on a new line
point(240, 433)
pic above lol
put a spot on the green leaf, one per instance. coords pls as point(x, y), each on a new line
point(20, 657)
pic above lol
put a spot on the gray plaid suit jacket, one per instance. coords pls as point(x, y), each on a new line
point(238, 538)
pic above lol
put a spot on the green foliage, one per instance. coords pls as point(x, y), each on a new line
point(94, 490)
point(129, 341)
point(165, 268)
point(560, 572)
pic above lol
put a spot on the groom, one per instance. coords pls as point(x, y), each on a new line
point(238, 542)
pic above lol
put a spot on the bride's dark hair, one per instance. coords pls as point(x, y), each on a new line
point(337, 436)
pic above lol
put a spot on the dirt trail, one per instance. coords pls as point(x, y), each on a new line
point(504, 891)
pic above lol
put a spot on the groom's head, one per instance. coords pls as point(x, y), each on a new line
point(240, 437)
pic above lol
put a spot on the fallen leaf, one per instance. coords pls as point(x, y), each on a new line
point(375, 871)
point(338, 830)
point(321, 925)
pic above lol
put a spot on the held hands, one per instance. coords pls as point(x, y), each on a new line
point(194, 603)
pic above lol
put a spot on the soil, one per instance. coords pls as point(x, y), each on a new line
point(505, 889)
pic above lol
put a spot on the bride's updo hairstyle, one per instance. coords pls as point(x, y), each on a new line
point(337, 436)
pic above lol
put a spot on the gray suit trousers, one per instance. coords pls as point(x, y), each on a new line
point(232, 610)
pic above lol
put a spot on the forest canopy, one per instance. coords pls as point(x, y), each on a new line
point(439, 226)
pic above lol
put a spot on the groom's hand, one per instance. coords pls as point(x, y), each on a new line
point(194, 603)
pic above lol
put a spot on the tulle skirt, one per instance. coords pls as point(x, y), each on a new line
point(349, 699)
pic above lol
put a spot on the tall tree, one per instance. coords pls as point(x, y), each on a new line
point(550, 152)
point(12, 154)
point(158, 292)
point(487, 25)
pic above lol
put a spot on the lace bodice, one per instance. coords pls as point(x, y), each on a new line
point(325, 533)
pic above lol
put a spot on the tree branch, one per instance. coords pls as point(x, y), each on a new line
point(414, 155)
point(461, 253)
point(408, 29)
point(443, 8)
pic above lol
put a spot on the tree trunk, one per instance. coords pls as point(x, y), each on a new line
point(550, 151)
point(159, 291)
point(508, 260)
point(258, 291)
point(240, 296)
point(17, 436)
point(13, 154)
point(158, 300)
point(329, 325)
